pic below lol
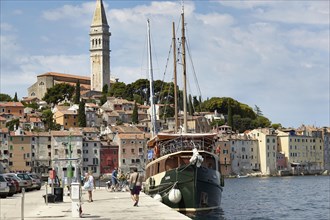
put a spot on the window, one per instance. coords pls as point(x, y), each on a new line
point(48, 146)
point(133, 161)
point(124, 150)
point(124, 161)
point(132, 151)
point(49, 154)
point(95, 144)
point(95, 151)
point(11, 147)
point(22, 148)
point(140, 150)
point(11, 163)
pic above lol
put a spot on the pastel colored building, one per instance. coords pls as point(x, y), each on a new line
point(14, 108)
point(66, 118)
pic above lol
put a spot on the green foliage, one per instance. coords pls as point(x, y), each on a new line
point(12, 124)
point(257, 110)
point(33, 105)
point(261, 122)
point(218, 122)
point(48, 120)
point(58, 93)
point(5, 97)
point(276, 126)
point(77, 93)
point(135, 115)
point(245, 116)
point(230, 116)
point(15, 99)
point(117, 89)
point(167, 112)
point(81, 115)
point(103, 99)
point(105, 89)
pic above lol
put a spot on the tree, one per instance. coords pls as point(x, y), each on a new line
point(135, 115)
point(48, 120)
point(190, 105)
point(276, 126)
point(105, 89)
point(81, 115)
point(257, 110)
point(5, 97)
point(77, 93)
point(230, 116)
point(58, 93)
point(11, 125)
point(15, 99)
point(166, 112)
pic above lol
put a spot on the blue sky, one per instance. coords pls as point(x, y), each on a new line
point(273, 54)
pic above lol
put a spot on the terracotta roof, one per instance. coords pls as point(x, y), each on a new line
point(68, 112)
point(65, 75)
point(2, 118)
point(4, 130)
point(85, 129)
point(132, 136)
point(11, 104)
point(66, 133)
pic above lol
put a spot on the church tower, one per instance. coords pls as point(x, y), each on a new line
point(99, 49)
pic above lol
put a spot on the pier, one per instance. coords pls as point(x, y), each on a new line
point(105, 205)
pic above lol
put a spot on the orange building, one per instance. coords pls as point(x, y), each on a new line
point(66, 118)
point(19, 151)
point(15, 108)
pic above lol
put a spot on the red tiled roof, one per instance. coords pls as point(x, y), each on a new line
point(11, 104)
point(66, 75)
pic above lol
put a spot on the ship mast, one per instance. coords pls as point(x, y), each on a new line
point(183, 39)
point(152, 104)
point(175, 82)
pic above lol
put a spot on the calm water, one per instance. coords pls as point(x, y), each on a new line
point(299, 197)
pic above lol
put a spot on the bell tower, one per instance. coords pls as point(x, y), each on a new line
point(99, 49)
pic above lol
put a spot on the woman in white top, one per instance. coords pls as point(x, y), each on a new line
point(91, 187)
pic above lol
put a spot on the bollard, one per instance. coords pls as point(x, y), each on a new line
point(75, 200)
point(46, 194)
point(22, 204)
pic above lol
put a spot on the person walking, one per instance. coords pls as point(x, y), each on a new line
point(91, 186)
point(135, 181)
point(114, 180)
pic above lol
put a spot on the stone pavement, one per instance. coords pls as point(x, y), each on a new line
point(106, 205)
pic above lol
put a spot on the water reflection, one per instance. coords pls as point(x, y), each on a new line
point(216, 214)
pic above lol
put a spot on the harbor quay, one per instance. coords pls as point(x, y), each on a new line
point(105, 205)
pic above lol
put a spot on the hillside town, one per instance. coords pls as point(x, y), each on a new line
point(117, 130)
point(111, 140)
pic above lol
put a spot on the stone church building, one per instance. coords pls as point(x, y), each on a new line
point(99, 61)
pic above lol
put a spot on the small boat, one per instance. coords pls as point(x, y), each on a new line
point(183, 172)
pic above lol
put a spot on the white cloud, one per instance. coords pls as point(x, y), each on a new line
point(79, 15)
point(279, 66)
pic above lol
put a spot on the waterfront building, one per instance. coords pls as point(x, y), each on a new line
point(41, 152)
point(4, 148)
point(20, 157)
point(108, 156)
point(62, 142)
point(224, 151)
point(91, 149)
point(267, 144)
point(303, 153)
point(132, 150)
point(326, 141)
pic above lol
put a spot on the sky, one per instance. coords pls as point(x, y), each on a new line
point(270, 54)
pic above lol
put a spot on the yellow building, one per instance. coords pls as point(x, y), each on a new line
point(303, 153)
point(66, 118)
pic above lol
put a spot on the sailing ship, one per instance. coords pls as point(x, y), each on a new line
point(183, 171)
